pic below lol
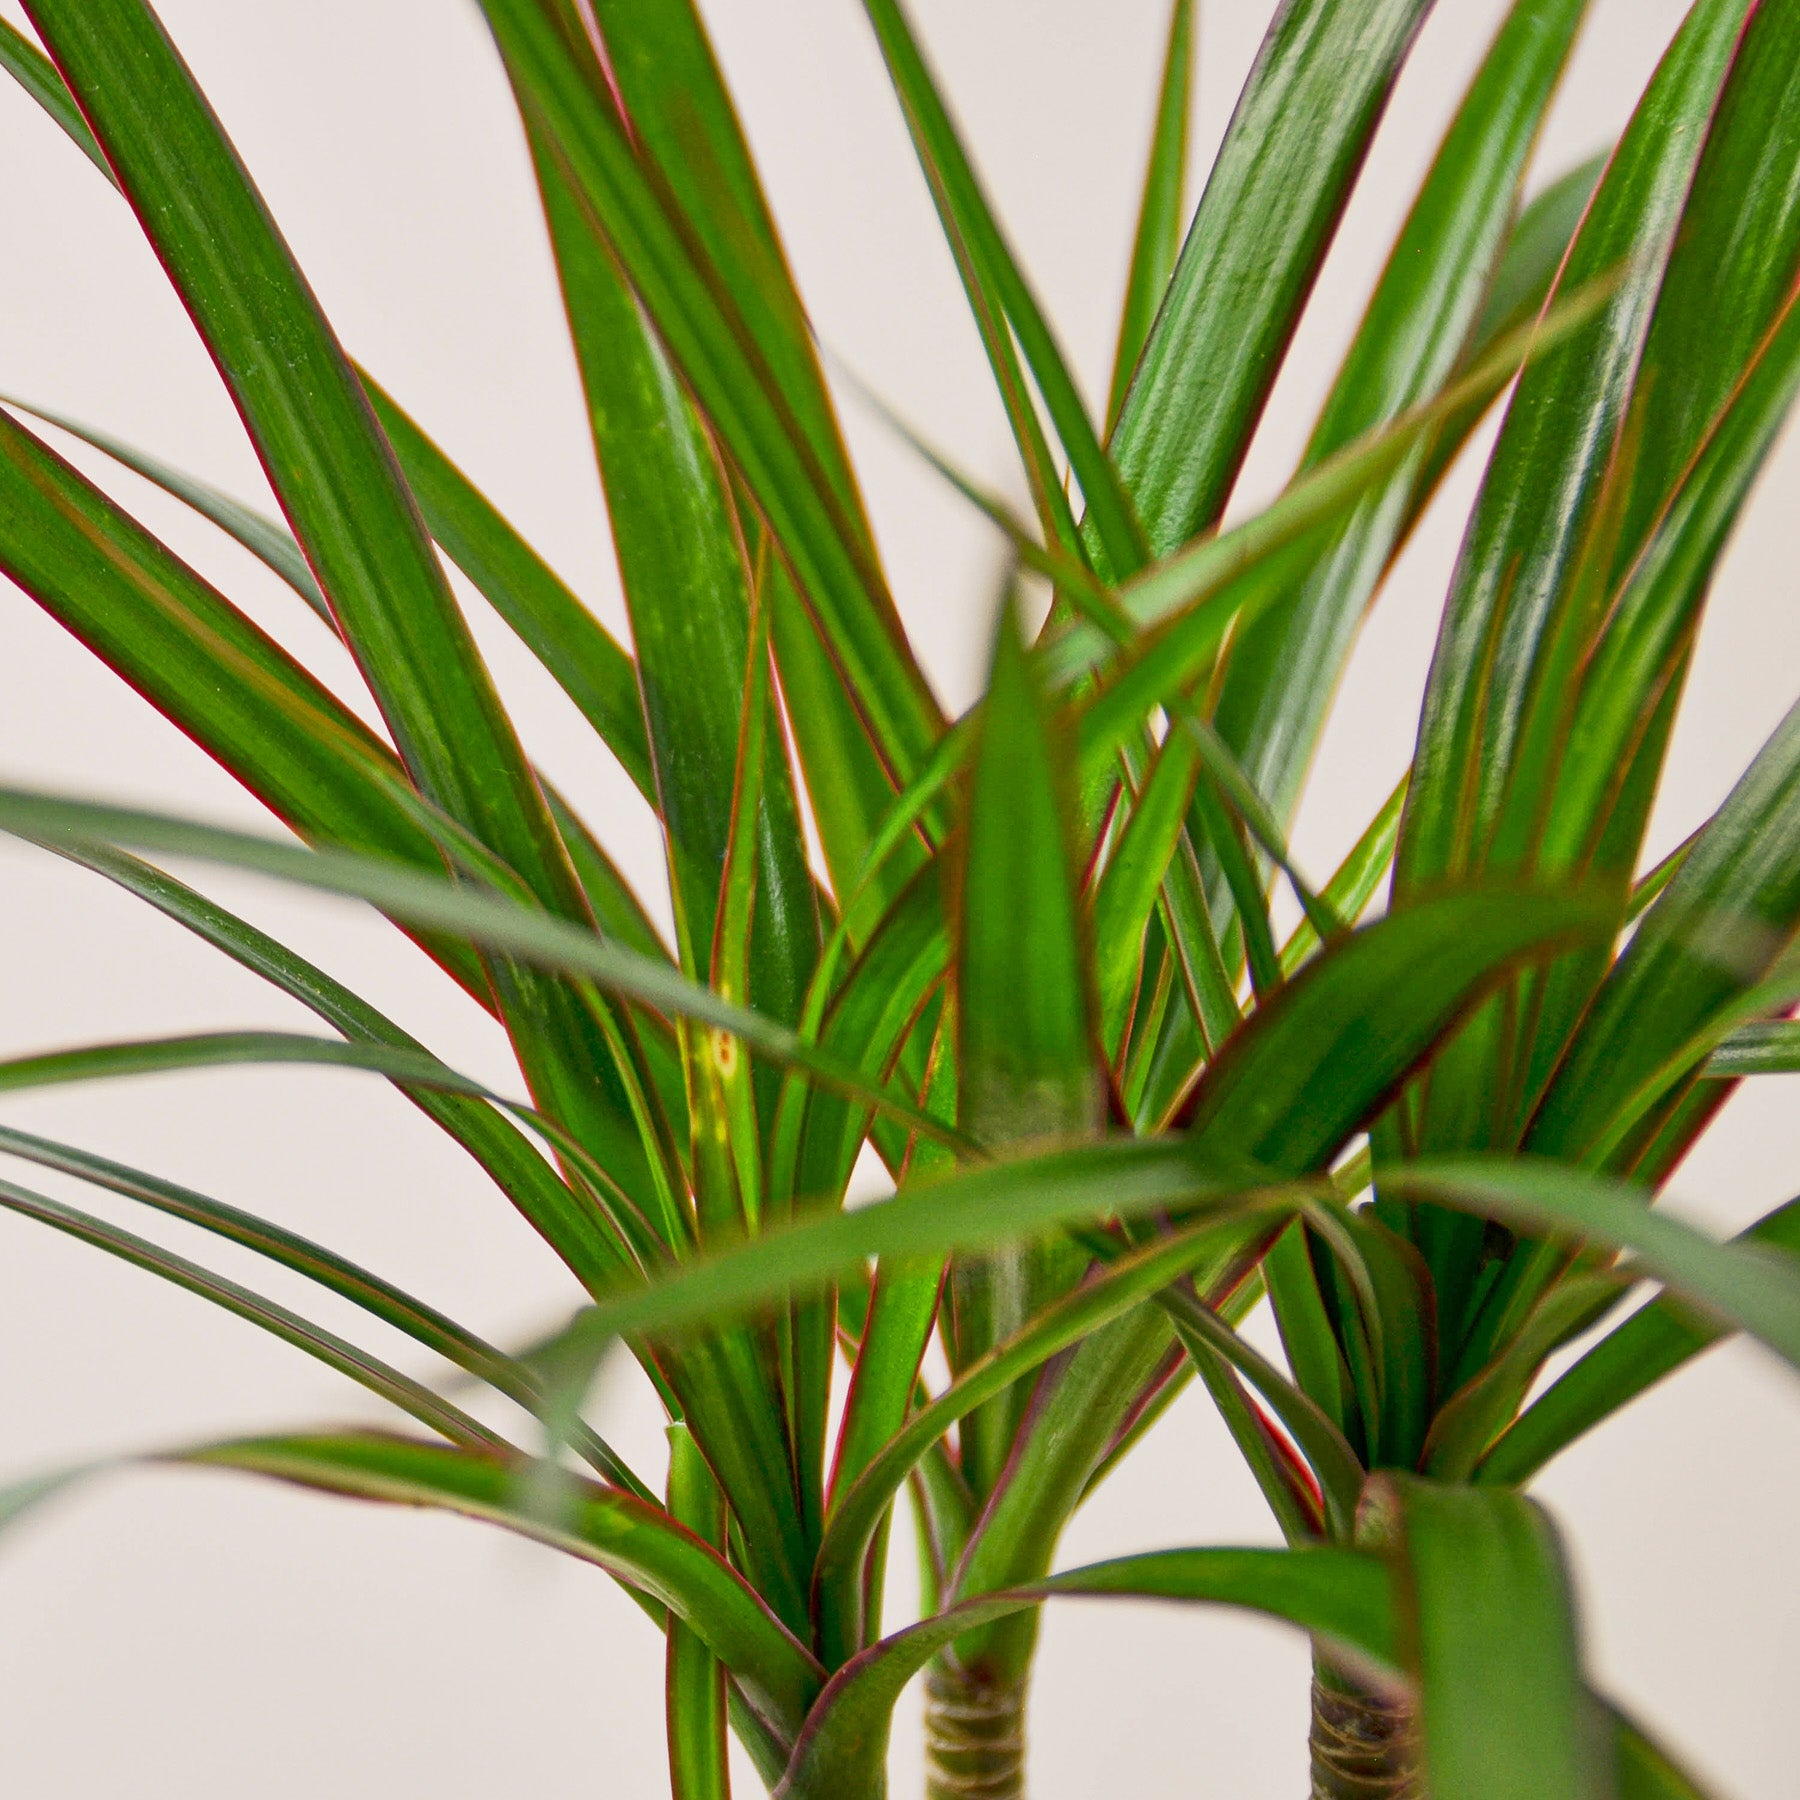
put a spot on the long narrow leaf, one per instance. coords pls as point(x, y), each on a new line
point(517, 930)
point(1656, 1340)
point(1277, 189)
point(1157, 241)
point(1492, 1626)
point(628, 1537)
point(411, 1397)
point(337, 481)
point(1342, 1596)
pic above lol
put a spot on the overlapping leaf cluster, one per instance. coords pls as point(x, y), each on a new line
point(1036, 970)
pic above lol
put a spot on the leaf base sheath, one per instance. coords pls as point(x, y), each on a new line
point(1363, 1747)
point(974, 1737)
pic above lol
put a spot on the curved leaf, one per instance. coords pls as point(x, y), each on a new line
point(628, 1537)
point(566, 1217)
point(1282, 178)
point(271, 544)
point(517, 930)
point(1551, 462)
point(857, 1512)
point(1341, 1596)
point(513, 1377)
point(1755, 1288)
point(368, 1371)
point(342, 492)
point(710, 279)
point(38, 76)
point(1282, 670)
point(1714, 932)
point(1491, 1631)
point(1654, 1342)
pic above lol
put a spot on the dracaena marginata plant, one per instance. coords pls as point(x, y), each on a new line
point(1034, 968)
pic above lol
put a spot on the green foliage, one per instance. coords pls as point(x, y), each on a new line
point(1036, 971)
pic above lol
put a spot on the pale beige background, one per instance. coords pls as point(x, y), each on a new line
point(166, 1635)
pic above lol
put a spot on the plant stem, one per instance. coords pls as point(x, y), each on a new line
point(1364, 1747)
point(974, 1736)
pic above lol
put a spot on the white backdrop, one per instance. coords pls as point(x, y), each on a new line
point(170, 1634)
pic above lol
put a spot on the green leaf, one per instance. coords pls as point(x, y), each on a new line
point(272, 544)
point(1551, 463)
point(1341, 1596)
point(681, 554)
point(1715, 931)
point(1468, 1422)
point(1707, 408)
point(20, 1497)
point(337, 481)
point(381, 1299)
point(682, 120)
point(305, 411)
point(629, 1538)
point(221, 1049)
point(1318, 1061)
point(970, 222)
point(38, 76)
point(1754, 1287)
point(566, 1217)
point(411, 1397)
point(864, 1024)
point(1523, 283)
point(1771, 1047)
point(1076, 1409)
point(1493, 1638)
point(588, 664)
point(1279, 1472)
point(708, 273)
point(687, 589)
point(857, 1512)
point(1060, 562)
point(517, 930)
point(1353, 886)
point(410, 1066)
point(1025, 1029)
point(617, 910)
point(884, 1385)
point(1212, 1002)
point(1132, 881)
point(1158, 238)
point(1025, 1040)
point(1536, 248)
point(696, 1677)
point(1654, 1342)
point(1279, 185)
point(1581, 681)
point(1308, 1337)
point(1207, 1338)
point(1643, 1769)
point(1282, 671)
point(203, 664)
point(973, 1209)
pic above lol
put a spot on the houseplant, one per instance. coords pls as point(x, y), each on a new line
point(1086, 876)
